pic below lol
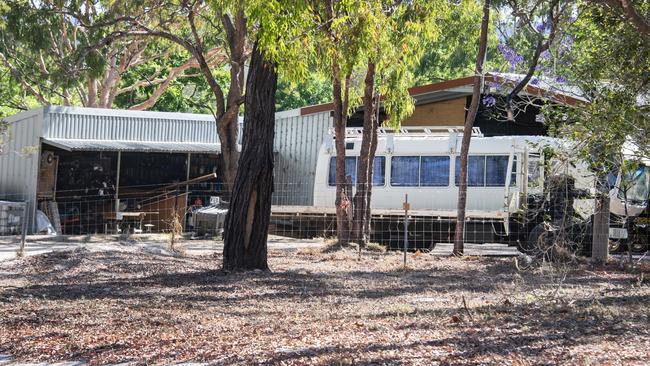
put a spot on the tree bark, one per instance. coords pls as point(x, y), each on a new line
point(228, 125)
point(467, 132)
point(246, 226)
point(365, 160)
point(371, 158)
point(343, 200)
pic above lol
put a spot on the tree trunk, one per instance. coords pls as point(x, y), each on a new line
point(600, 227)
point(371, 159)
point(91, 101)
point(467, 132)
point(246, 226)
point(365, 160)
point(343, 200)
point(228, 130)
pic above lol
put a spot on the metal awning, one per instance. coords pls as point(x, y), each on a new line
point(133, 146)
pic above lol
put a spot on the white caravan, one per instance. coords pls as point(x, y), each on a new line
point(505, 181)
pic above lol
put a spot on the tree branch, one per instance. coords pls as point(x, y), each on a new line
point(215, 57)
point(542, 45)
point(630, 13)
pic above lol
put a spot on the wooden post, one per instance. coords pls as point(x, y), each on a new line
point(407, 206)
point(21, 249)
point(599, 246)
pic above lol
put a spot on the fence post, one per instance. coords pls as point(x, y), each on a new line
point(406, 226)
point(600, 230)
point(23, 234)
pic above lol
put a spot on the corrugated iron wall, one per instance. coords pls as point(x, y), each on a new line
point(19, 160)
point(106, 124)
point(297, 143)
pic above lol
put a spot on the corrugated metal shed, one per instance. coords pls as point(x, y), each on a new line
point(298, 139)
point(20, 159)
point(84, 129)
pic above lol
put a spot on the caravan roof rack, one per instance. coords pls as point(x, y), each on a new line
point(413, 131)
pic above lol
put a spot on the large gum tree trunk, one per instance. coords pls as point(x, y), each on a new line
point(365, 161)
point(459, 239)
point(246, 226)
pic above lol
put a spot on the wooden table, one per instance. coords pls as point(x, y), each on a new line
point(122, 217)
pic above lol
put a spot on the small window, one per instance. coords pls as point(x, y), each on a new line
point(379, 171)
point(612, 177)
point(513, 176)
point(534, 170)
point(475, 171)
point(434, 171)
point(497, 171)
point(350, 169)
point(405, 171)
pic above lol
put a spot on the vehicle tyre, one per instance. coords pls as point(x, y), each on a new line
point(638, 247)
point(536, 239)
point(615, 246)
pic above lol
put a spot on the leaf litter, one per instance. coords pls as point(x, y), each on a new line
point(139, 307)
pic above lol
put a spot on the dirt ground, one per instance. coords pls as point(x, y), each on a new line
point(139, 307)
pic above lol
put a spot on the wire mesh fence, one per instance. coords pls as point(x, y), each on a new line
point(557, 219)
point(517, 193)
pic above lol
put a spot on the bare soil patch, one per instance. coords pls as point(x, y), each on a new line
point(318, 308)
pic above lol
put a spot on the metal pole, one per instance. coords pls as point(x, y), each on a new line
point(117, 182)
point(406, 225)
point(21, 249)
point(187, 176)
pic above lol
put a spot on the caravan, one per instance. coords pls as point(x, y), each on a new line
point(506, 195)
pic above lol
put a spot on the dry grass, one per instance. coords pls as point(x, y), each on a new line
point(318, 308)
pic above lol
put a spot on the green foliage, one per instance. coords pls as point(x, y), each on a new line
point(314, 89)
point(391, 35)
point(453, 53)
point(608, 61)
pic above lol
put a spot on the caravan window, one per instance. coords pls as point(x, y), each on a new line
point(475, 171)
point(350, 169)
point(405, 171)
point(378, 175)
point(434, 171)
point(496, 171)
point(513, 177)
point(379, 171)
point(487, 171)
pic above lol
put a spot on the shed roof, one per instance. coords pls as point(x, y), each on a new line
point(132, 146)
point(97, 129)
